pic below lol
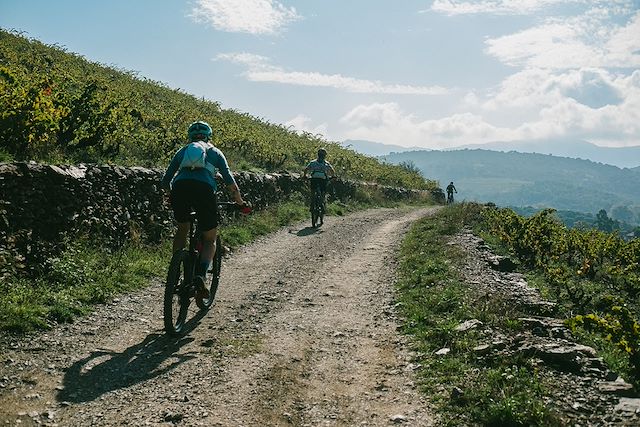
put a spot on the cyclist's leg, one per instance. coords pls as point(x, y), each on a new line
point(314, 183)
point(323, 192)
point(208, 249)
point(180, 238)
point(181, 207)
point(206, 208)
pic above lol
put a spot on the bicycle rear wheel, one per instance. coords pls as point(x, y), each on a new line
point(314, 217)
point(314, 213)
point(176, 297)
point(213, 277)
point(321, 213)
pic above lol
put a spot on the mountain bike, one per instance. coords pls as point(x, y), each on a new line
point(317, 208)
point(180, 287)
point(449, 198)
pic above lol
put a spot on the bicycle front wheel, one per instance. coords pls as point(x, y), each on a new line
point(176, 298)
point(213, 277)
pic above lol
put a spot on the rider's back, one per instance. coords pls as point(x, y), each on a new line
point(319, 169)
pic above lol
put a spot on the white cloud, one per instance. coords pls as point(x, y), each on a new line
point(259, 69)
point(610, 124)
point(471, 100)
point(521, 7)
point(302, 123)
point(588, 40)
point(590, 104)
point(389, 124)
point(244, 16)
point(625, 41)
point(536, 88)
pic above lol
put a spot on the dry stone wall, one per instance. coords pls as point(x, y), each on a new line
point(42, 205)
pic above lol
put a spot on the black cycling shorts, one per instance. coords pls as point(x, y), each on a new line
point(189, 195)
point(320, 183)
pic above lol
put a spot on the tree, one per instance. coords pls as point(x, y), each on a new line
point(606, 224)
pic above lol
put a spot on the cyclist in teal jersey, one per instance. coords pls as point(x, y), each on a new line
point(192, 182)
point(320, 172)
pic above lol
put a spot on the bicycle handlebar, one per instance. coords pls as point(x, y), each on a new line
point(245, 209)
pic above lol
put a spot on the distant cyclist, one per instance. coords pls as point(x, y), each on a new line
point(450, 190)
point(320, 171)
point(194, 188)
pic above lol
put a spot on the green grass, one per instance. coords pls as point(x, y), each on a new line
point(260, 223)
point(5, 156)
point(68, 286)
point(503, 391)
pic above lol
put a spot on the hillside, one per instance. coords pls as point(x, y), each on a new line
point(622, 157)
point(59, 107)
point(521, 179)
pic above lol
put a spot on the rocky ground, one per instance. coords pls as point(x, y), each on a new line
point(584, 391)
point(303, 333)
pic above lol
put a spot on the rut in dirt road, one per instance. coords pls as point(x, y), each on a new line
point(303, 333)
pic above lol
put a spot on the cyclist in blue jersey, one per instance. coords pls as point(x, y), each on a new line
point(320, 172)
point(191, 178)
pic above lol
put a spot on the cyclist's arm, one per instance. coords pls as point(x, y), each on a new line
point(235, 193)
point(331, 173)
point(172, 169)
point(306, 170)
point(220, 162)
point(225, 172)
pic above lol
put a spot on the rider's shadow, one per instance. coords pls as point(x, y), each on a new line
point(104, 370)
point(308, 231)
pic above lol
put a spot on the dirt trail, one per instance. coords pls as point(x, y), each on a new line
point(303, 333)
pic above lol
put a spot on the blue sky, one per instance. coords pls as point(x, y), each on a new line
point(434, 74)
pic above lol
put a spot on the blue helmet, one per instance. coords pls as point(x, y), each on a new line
point(199, 128)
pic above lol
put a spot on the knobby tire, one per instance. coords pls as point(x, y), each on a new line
point(314, 217)
point(317, 211)
point(176, 298)
point(213, 277)
point(321, 213)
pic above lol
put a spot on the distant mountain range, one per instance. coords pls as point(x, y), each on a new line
point(376, 149)
point(526, 179)
point(623, 157)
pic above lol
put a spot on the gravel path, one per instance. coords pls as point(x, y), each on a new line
point(303, 333)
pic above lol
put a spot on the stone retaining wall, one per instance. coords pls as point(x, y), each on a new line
point(40, 205)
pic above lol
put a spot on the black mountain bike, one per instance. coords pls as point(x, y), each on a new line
point(319, 205)
point(449, 198)
point(317, 208)
point(180, 286)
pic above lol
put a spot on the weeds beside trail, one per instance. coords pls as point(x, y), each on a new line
point(433, 301)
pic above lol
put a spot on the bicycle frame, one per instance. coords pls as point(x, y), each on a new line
point(317, 207)
point(180, 286)
point(195, 246)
